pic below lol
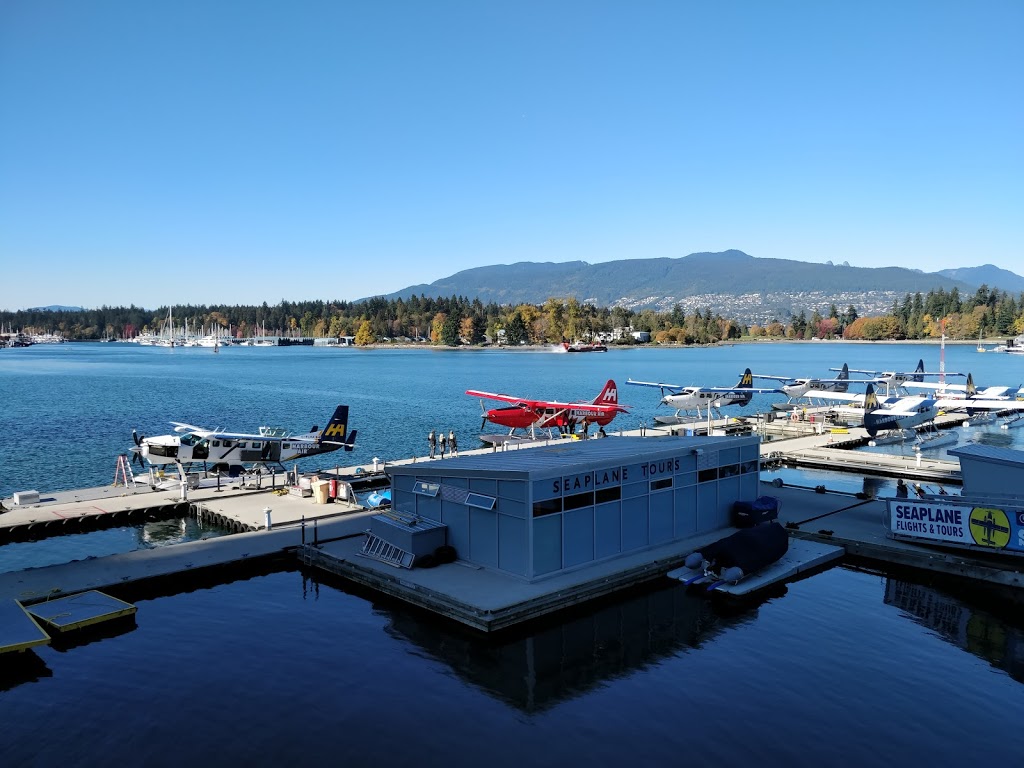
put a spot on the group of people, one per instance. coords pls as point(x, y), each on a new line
point(902, 490)
point(446, 443)
point(570, 428)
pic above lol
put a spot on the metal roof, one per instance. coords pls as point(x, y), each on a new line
point(566, 456)
point(990, 453)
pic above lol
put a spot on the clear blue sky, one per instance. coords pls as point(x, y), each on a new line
point(212, 151)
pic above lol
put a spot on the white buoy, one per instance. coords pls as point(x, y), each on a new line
point(266, 517)
point(376, 464)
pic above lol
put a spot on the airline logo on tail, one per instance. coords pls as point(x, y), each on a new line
point(870, 399)
point(336, 432)
point(609, 395)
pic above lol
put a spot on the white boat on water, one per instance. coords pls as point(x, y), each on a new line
point(892, 437)
point(979, 419)
point(936, 440)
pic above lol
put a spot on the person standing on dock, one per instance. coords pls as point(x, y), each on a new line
point(453, 446)
point(432, 442)
point(901, 489)
point(442, 444)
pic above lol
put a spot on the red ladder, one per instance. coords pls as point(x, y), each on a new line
point(123, 474)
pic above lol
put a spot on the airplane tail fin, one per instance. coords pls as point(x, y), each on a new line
point(870, 400)
point(609, 395)
point(972, 390)
point(335, 434)
point(845, 376)
point(746, 382)
point(919, 371)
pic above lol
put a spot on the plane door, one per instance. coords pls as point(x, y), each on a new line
point(271, 451)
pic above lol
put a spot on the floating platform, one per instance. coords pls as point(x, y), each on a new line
point(66, 614)
point(18, 630)
point(802, 556)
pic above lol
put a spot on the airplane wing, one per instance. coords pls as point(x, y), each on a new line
point(181, 427)
point(828, 394)
point(517, 401)
point(654, 384)
point(772, 378)
point(935, 386)
point(740, 390)
point(979, 404)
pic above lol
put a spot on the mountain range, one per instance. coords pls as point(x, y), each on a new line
point(731, 282)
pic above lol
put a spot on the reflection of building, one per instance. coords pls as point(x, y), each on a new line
point(538, 512)
point(971, 629)
point(560, 661)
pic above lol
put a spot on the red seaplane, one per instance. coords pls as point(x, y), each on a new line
point(548, 414)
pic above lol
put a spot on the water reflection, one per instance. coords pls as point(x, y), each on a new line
point(971, 628)
point(20, 668)
point(536, 668)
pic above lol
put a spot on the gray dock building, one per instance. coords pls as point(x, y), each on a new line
point(548, 510)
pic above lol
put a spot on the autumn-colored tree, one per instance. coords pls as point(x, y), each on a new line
point(364, 335)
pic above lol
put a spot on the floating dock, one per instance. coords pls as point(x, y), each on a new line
point(803, 556)
point(18, 630)
point(330, 537)
point(66, 614)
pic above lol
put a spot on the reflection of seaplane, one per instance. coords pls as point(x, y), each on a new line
point(230, 451)
point(524, 413)
point(688, 399)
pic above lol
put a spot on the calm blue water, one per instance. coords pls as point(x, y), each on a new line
point(843, 668)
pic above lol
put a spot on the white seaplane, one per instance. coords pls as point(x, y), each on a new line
point(230, 452)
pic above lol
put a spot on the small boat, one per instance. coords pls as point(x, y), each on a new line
point(936, 440)
point(577, 346)
point(894, 436)
point(979, 419)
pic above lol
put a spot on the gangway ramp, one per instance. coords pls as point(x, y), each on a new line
point(889, 465)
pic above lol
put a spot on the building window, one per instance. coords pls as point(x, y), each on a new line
point(707, 475)
point(608, 494)
point(548, 507)
point(748, 466)
point(479, 500)
point(661, 484)
point(423, 488)
point(578, 500)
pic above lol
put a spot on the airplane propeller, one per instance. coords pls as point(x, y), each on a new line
point(137, 450)
point(483, 422)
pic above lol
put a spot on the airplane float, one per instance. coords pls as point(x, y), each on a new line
point(687, 399)
point(524, 413)
point(231, 451)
